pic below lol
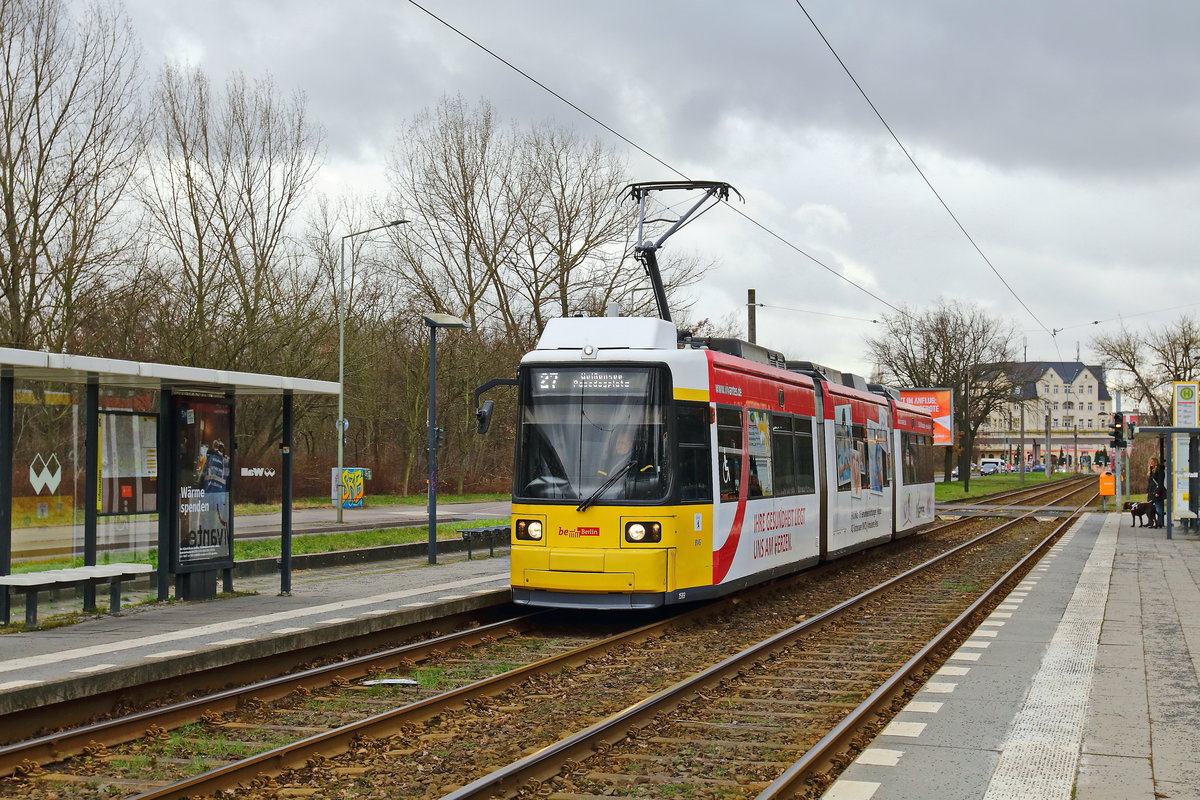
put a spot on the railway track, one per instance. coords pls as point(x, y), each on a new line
point(47, 718)
point(1042, 493)
point(497, 718)
point(783, 717)
point(146, 752)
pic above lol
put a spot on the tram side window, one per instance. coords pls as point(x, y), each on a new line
point(926, 453)
point(805, 465)
point(909, 444)
point(761, 483)
point(918, 458)
point(862, 448)
point(792, 451)
point(695, 460)
point(784, 464)
point(878, 460)
point(729, 452)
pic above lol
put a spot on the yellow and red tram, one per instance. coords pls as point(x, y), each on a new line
point(650, 472)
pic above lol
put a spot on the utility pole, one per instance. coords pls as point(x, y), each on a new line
point(1049, 466)
point(1075, 446)
point(1021, 450)
point(751, 316)
point(964, 463)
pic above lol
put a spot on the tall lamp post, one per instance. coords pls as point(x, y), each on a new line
point(341, 312)
point(435, 321)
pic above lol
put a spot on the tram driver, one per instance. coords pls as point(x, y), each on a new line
point(633, 446)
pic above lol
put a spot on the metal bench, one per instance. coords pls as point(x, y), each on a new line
point(492, 536)
point(30, 583)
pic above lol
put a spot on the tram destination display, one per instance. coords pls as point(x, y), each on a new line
point(203, 442)
point(631, 381)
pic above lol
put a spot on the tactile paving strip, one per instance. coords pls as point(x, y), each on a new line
point(1040, 756)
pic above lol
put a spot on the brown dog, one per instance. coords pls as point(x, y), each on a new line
point(1139, 510)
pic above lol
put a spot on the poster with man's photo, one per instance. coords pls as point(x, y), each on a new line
point(203, 446)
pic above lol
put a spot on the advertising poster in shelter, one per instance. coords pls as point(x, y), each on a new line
point(203, 446)
point(940, 405)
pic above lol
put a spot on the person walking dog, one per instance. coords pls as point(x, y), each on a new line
point(1156, 491)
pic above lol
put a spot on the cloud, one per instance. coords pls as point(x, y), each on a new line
point(1061, 134)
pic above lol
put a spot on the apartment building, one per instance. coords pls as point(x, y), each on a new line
point(1065, 404)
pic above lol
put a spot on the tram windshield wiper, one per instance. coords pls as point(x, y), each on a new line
point(604, 487)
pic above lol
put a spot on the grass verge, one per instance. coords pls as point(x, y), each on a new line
point(301, 545)
point(371, 501)
point(330, 542)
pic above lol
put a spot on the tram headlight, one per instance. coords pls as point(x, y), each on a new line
point(640, 532)
point(529, 529)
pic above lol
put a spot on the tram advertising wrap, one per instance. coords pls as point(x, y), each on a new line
point(203, 438)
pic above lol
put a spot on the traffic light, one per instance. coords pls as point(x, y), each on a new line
point(1117, 430)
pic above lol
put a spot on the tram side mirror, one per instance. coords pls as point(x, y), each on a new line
point(483, 416)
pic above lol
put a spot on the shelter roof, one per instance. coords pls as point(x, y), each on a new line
point(64, 368)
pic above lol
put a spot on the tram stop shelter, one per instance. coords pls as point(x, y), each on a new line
point(180, 441)
point(1180, 451)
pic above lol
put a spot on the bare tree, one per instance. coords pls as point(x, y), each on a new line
point(512, 227)
point(226, 178)
point(455, 177)
point(227, 172)
point(572, 218)
point(954, 345)
point(71, 137)
point(1145, 364)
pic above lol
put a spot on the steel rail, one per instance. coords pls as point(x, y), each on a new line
point(251, 664)
point(297, 754)
point(57, 746)
point(67, 743)
point(534, 769)
point(822, 755)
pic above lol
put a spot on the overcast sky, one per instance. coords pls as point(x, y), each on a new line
point(1064, 135)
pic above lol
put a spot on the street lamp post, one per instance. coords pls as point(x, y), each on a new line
point(341, 312)
point(435, 321)
point(1075, 444)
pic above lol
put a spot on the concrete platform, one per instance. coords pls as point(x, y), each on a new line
point(162, 641)
point(1083, 684)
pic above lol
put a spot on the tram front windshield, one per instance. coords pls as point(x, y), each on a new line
point(594, 434)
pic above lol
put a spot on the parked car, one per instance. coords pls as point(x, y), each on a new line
point(1038, 468)
point(997, 465)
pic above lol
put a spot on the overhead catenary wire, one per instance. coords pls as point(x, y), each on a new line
point(920, 172)
point(1123, 317)
point(809, 311)
point(652, 156)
